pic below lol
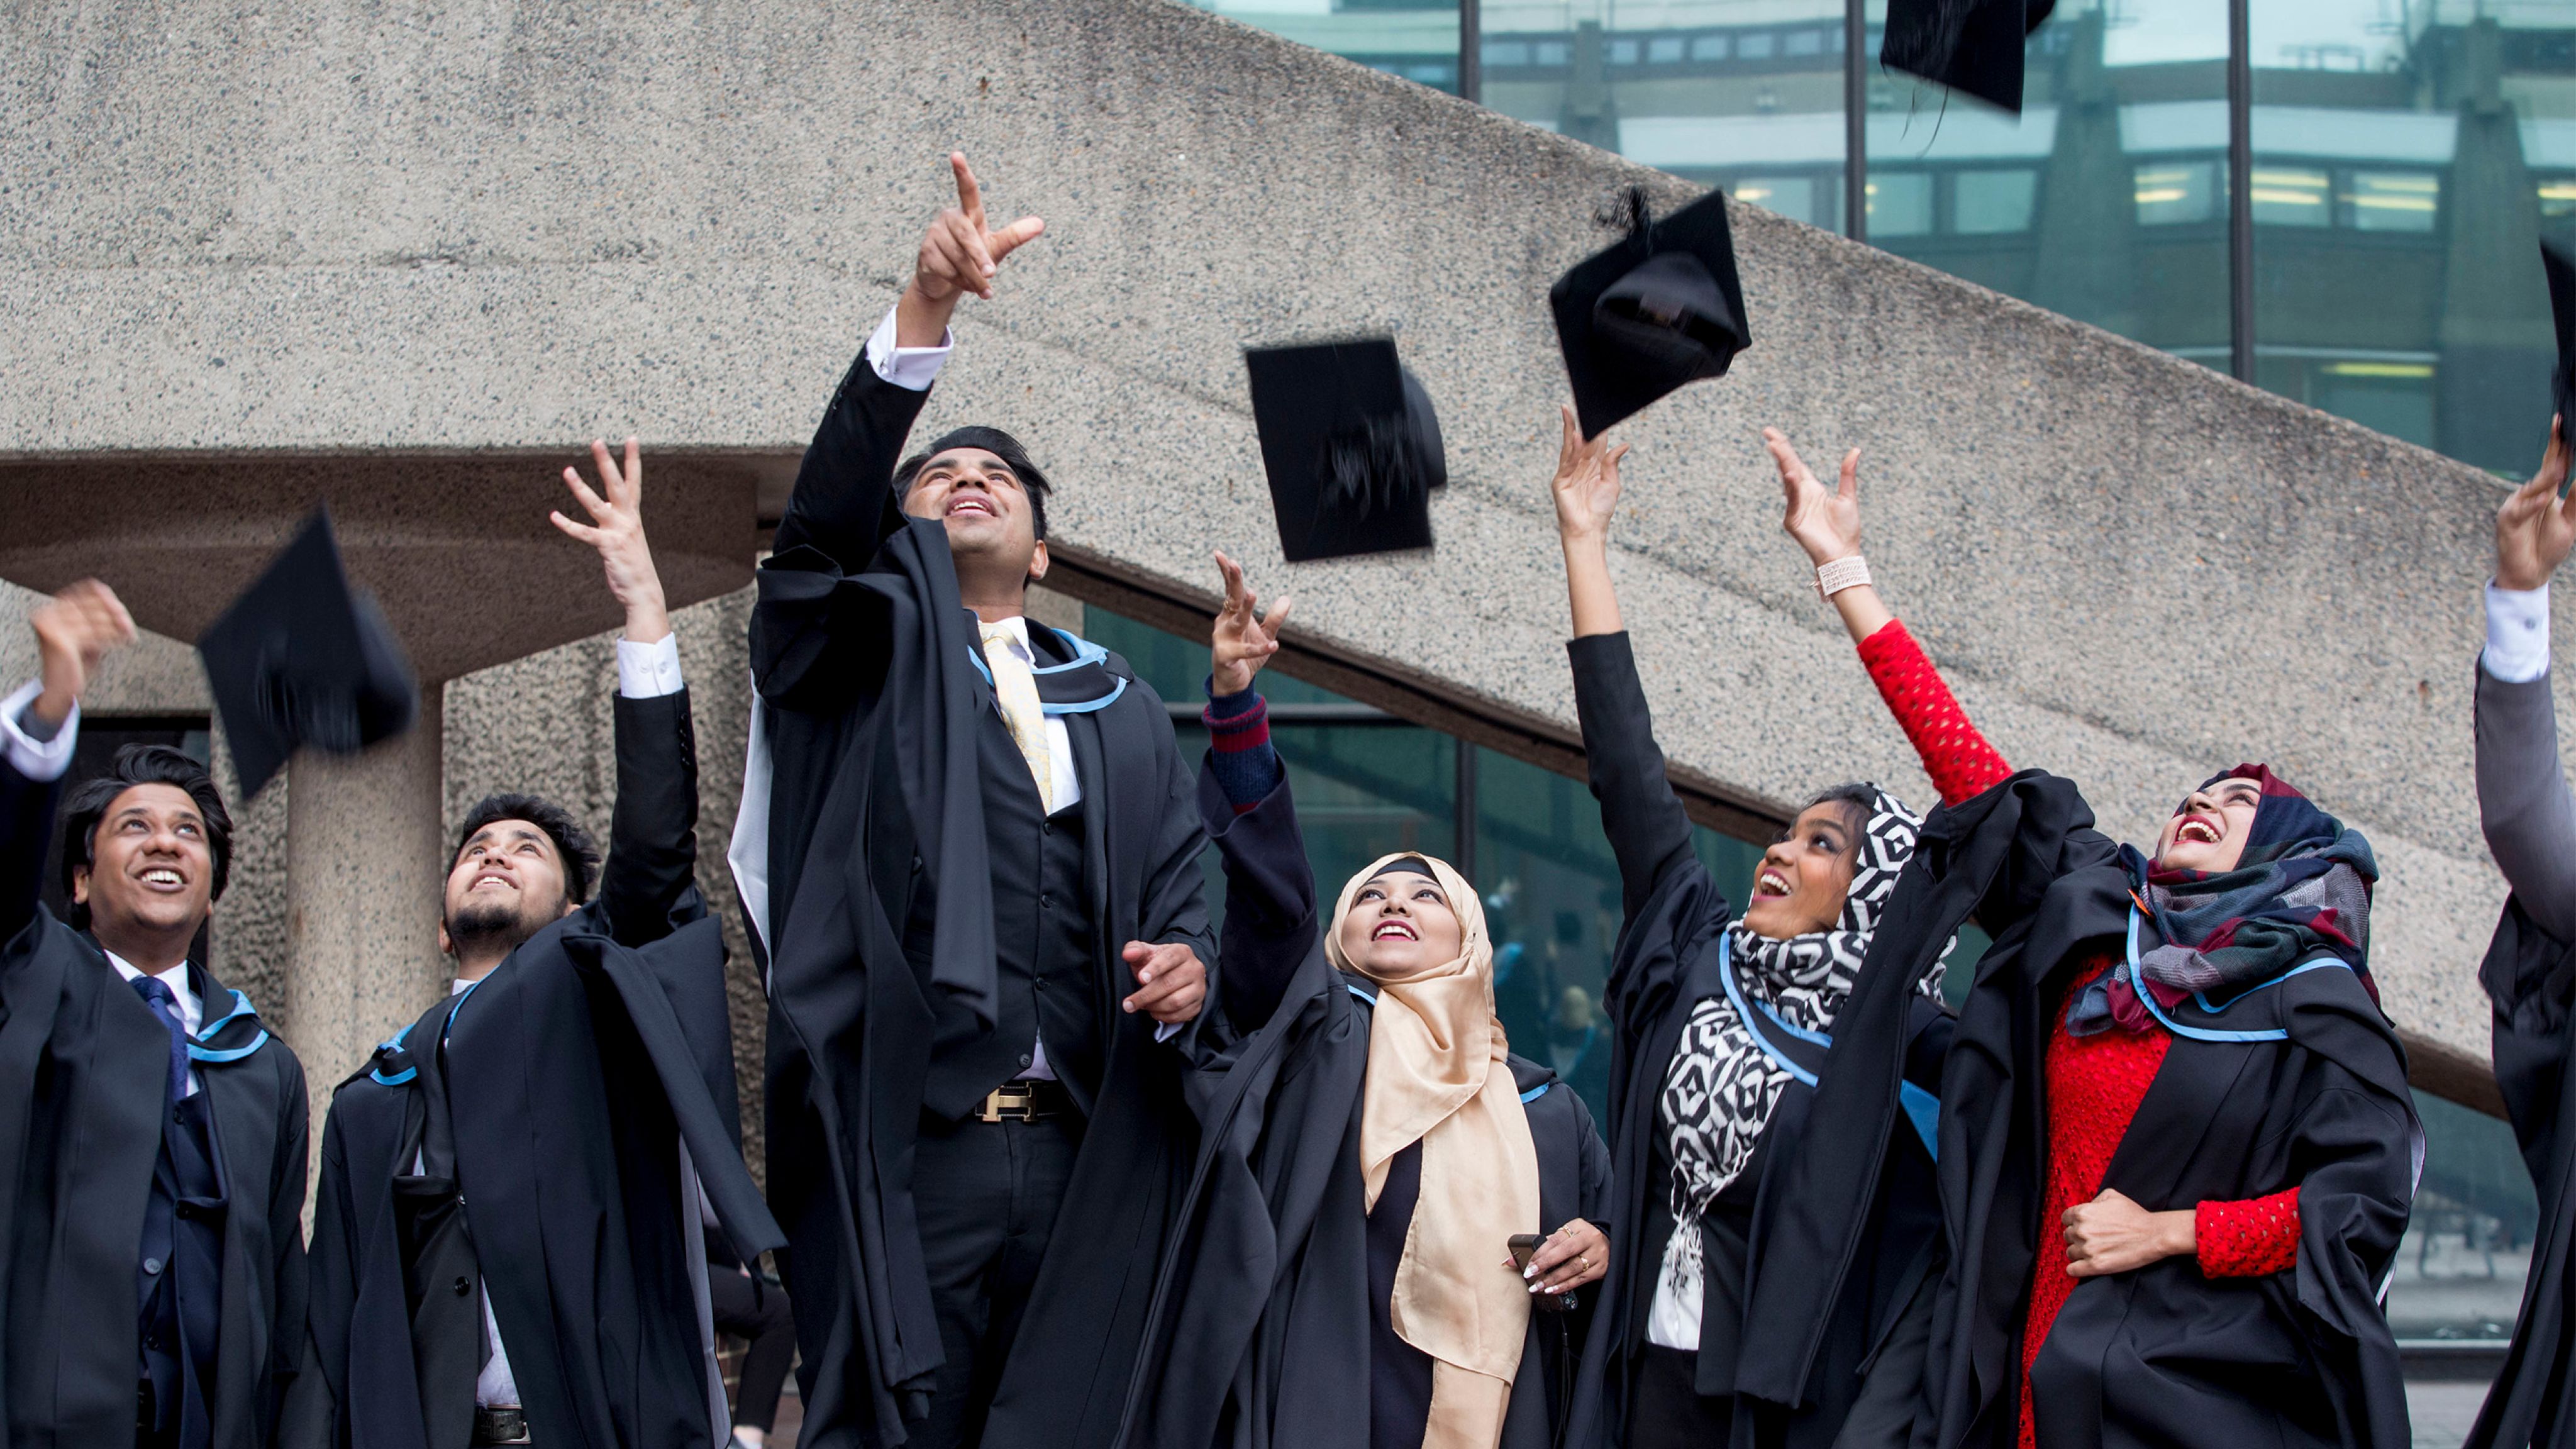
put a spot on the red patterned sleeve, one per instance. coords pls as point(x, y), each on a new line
point(2248, 1239)
point(1962, 765)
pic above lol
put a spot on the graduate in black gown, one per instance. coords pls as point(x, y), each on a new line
point(2530, 971)
point(154, 1132)
point(968, 849)
point(2176, 1145)
point(1745, 1305)
point(506, 1242)
point(1373, 1147)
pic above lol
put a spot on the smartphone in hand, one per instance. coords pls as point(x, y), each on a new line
point(1525, 1247)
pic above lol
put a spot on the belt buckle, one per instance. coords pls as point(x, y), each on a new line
point(500, 1426)
point(1009, 1103)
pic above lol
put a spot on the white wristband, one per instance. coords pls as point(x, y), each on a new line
point(1840, 574)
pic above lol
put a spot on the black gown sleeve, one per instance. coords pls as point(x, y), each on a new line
point(290, 1270)
point(1270, 921)
point(1649, 832)
point(844, 504)
point(646, 888)
point(26, 819)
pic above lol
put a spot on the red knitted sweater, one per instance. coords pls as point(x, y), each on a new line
point(2094, 1083)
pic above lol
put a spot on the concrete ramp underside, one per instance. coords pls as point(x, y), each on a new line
point(456, 229)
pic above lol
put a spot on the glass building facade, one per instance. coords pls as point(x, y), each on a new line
point(2404, 158)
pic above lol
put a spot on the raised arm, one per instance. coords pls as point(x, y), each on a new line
point(644, 889)
point(75, 629)
point(1826, 524)
point(1247, 810)
point(2523, 800)
point(1649, 833)
point(844, 503)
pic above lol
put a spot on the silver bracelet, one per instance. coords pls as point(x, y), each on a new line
point(1840, 574)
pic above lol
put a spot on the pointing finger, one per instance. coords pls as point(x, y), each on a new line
point(970, 196)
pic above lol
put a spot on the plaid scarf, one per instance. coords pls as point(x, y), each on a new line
point(2301, 890)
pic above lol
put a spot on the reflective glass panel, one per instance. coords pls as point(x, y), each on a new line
point(2106, 199)
point(1416, 39)
point(2404, 155)
point(2459, 1271)
point(1744, 94)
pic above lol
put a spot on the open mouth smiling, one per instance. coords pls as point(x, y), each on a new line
point(2198, 831)
point(1770, 883)
point(163, 878)
point(1393, 931)
point(972, 505)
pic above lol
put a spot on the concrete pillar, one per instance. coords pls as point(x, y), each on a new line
point(363, 837)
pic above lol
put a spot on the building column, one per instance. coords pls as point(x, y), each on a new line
point(362, 898)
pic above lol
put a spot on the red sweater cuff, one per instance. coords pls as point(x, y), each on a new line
point(2248, 1239)
point(1962, 765)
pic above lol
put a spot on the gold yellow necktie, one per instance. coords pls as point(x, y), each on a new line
point(1015, 689)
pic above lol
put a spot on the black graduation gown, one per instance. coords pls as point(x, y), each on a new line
point(2530, 979)
point(869, 703)
point(575, 1081)
point(1791, 1314)
point(84, 1069)
point(1262, 1323)
point(2162, 1355)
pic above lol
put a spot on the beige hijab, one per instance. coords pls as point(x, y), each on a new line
point(1436, 1075)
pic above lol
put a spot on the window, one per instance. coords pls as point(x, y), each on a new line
point(1757, 46)
point(2172, 193)
point(1989, 203)
point(1714, 47)
point(1665, 49)
point(1900, 203)
point(2292, 196)
point(2391, 201)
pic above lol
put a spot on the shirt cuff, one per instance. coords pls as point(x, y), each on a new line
point(2517, 649)
point(648, 671)
point(913, 368)
point(40, 760)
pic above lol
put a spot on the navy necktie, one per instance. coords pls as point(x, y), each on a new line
point(157, 995)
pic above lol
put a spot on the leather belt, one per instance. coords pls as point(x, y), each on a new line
point(500, 1426)
point(1023, 1100)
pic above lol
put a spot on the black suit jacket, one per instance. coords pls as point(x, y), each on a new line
point(870, 701)
point(83, 1072)
point(572, 1083)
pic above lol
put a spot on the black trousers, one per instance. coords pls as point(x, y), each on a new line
point(1666, 1410)
point(985, 1195)
point(753, 1308)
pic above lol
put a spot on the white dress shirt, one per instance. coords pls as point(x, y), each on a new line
point(40, 760)
point(2517, 649)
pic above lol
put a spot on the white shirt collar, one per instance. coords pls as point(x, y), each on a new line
point(191, 1011)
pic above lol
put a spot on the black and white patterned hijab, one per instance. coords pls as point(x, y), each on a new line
point(1721, 1087)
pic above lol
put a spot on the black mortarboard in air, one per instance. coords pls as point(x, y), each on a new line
point(2561, 267)
point(301, 658)
point(1351, 445)
point(1658, 309)
point(1972, 46)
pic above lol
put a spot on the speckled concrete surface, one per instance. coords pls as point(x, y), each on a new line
point(425, 227)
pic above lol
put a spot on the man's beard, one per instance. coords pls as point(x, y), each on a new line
point(484, 925)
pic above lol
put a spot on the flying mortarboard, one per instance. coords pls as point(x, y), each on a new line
point(301, 658)
point(1972, 46)
point(1656, 310)
point(2561, 267)
point(1351, 445)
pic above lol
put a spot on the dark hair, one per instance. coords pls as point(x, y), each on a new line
point(996, 442)
point(135, 765)
point(1856, 799)
point(572, 843)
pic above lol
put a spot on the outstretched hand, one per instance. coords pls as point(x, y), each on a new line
point(1825, 524)
point(1171, 981)
point(1242, 640)
point(2535, 528)
point(961, 253)
point(616, 530)
point(75, 630)
point(1587, 482)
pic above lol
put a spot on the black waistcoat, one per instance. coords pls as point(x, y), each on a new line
point(179, 1273)
point(1042, 940)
